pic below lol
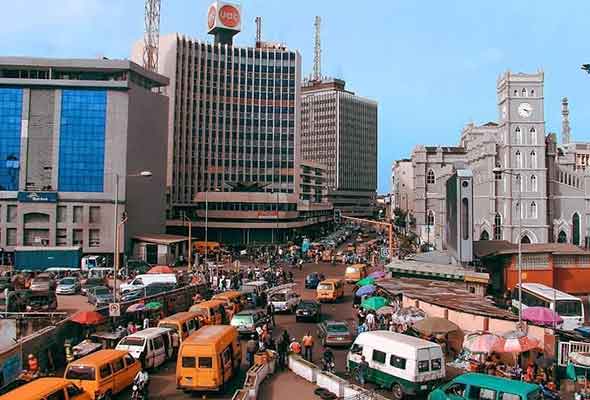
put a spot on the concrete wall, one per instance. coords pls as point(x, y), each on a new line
point(147, 149)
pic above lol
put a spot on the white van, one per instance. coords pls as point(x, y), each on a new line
point(405, 364)
point(89, 262)
point(153, 346)
point(283, 300)
point(140, 281)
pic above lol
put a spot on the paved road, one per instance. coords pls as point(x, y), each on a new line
point(73, 303)
point(163, 385)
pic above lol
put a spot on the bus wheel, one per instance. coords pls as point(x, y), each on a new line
point(397, 391)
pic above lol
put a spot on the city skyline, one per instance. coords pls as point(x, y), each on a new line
point(440, 65)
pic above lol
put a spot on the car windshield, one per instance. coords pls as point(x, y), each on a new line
point(67, 281)
point(101, 291)
point(307, 304)
point(337, 328)
point(241, 319)
point(41, 279)
point(80, 372)
point(278, 297)
point(569, 308)
point(172, 327)
point(325, 286)
point(132, 341)
point(312, 276)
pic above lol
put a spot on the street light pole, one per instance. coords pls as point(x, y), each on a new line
point(190, 240)
point(206, 226)
point(143, 174)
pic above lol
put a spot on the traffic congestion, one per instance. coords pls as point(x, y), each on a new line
point(285, 299)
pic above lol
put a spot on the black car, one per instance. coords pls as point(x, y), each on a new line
point(91, 283)
point(312, 280)
point(308, 310)
point(149, 290)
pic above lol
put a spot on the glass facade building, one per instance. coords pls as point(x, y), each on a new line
point(82, 140)
point(11, 103)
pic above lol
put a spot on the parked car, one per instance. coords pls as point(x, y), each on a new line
point(42, 283)
point(284, 300)
point(100, 295)
point(335, 333)
point(312, 280)
point(141, 281)
point(308, 310)
point(149, 290)
point(42, 301)
point(90, 283)
point(68, 285)
point(247, 321)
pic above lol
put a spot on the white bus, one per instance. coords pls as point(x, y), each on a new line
point(568, 307)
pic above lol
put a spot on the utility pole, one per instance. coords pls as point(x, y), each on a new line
point(152, 35)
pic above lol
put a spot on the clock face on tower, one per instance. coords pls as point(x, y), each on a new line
point(525, 110)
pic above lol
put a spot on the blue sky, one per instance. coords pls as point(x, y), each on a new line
point(432, 65)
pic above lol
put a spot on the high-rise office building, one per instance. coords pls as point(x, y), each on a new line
point(233, 134)
point(339, 130)
point(68, 129)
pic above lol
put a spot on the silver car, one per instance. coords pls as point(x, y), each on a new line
point(42, 283)
point(68, 285)
point(100, 296)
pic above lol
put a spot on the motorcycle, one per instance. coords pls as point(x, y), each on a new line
point(139, 389)
point(328, 366)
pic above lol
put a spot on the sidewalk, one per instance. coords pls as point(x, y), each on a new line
point(286, 385)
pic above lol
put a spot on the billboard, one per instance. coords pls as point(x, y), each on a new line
point(223, 15)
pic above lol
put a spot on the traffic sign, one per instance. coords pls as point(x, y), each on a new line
point(114, 310)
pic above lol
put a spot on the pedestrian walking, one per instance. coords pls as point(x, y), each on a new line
point(251, 349)
point(270, 310)
point(370, 320)
point(362, 370)
point(283, 348)
point(307, 346)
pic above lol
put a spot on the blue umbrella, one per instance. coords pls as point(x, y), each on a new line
point(365, 290)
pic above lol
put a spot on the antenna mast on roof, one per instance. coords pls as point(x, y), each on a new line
point(152, 35)
point(317, 56)
point(258, 21)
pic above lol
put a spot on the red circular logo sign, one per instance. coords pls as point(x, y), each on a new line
point(211, 17)
point(229, 16)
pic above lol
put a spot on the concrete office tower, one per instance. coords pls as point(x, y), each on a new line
point(67, 128)
point(339, 130)
point(233, 135)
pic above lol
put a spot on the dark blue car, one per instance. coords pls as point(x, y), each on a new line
point(312, 280)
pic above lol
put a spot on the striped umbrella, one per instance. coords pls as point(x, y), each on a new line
point(483, 342)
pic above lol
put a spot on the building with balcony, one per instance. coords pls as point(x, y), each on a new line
point(68, 129)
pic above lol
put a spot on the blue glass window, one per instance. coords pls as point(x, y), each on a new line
point(11, 105)
point(82, 140)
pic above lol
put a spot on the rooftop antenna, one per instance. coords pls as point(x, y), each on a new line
point(317, 56)
point(258, 21)
point(152, 35)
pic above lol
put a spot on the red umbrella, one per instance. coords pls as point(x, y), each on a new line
point(88, 318)
point(161, 269)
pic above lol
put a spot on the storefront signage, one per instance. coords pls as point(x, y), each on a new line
point(37, 197)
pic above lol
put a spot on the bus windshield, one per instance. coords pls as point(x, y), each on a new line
point(568, 308)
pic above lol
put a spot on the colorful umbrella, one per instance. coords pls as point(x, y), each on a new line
point(161, 269)
point(435, 325)
point(365, 290)
point(377, 274)
point(408, 315)
point(518, 342)
point(483, 342)
point(366, 281)
point(88, 318)
point(374, 303)
point(541, 316)
point(153, 305)
point(137, 307)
